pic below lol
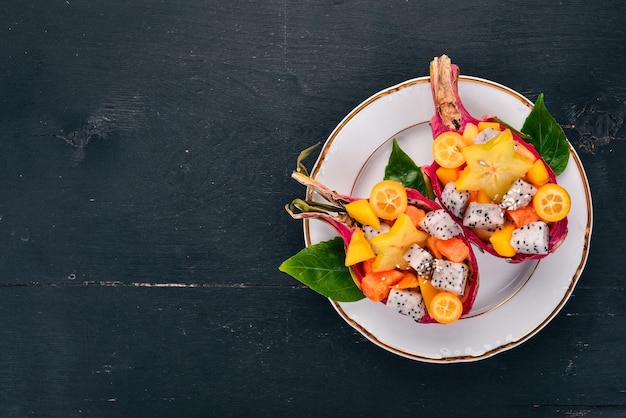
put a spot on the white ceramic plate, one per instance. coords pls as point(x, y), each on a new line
point(514, 301)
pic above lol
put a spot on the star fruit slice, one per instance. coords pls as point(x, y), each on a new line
point(392, 245)
point(493, 166)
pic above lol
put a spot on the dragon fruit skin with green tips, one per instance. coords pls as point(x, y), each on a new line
point(343, 224)
point(345, 227)
point(407, 302)
point(451, 115)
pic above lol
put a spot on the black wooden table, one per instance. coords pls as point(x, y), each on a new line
point(145, 153)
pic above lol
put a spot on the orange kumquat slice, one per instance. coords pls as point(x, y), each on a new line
point(445, 307)
point(552, 202)
point(447, 149)
point(388, 199)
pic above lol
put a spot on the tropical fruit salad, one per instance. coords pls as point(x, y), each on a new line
point(495, 187)
point(401, 249)
point(491, 180)
point(499, 190)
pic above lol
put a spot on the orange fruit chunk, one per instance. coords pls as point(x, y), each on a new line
point(446, 175)
point(388, 199)
point(445, 307)
point(416, 214)
point(447, 149)
point(376, 286)
point(552, 202)
point(409, 281)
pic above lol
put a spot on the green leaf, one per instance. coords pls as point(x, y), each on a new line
point(547, 136)
point(403, 169)
point(321, 267)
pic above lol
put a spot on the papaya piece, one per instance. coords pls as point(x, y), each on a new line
point(409, 281)
point(522, 216)
point(416, 214)
point(431, 245)
point(453, 249)
point(376, 286)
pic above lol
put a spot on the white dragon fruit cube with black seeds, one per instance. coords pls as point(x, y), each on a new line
point(407, 302)
point(440, 224)
point(519, 195)
point(455, 200)
point(533, 238)
point(485, 136)
point(483, 215)
point(371, 232)
point(449, 276)
point(420, 259)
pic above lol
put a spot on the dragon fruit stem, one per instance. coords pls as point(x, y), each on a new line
point(443, 92)
point(450, 114)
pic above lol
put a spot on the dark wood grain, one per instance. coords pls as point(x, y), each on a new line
point(145, 153)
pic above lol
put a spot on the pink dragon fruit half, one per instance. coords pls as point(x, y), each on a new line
point(336, 216)
point(451, 115)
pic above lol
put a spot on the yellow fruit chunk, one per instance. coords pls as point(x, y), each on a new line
point(362, 211)
point(552, 202)
point(446, 175)
point(388, 199)
point(484, 125)
point(501, 240)
point(428, 290)
point(469, 133)
point(538, 174)
point(447, 149)
point(445, 307)
point(359, 249)
point(493, 166)
point(393, 244)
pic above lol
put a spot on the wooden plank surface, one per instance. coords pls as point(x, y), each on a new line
point(145, 153)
